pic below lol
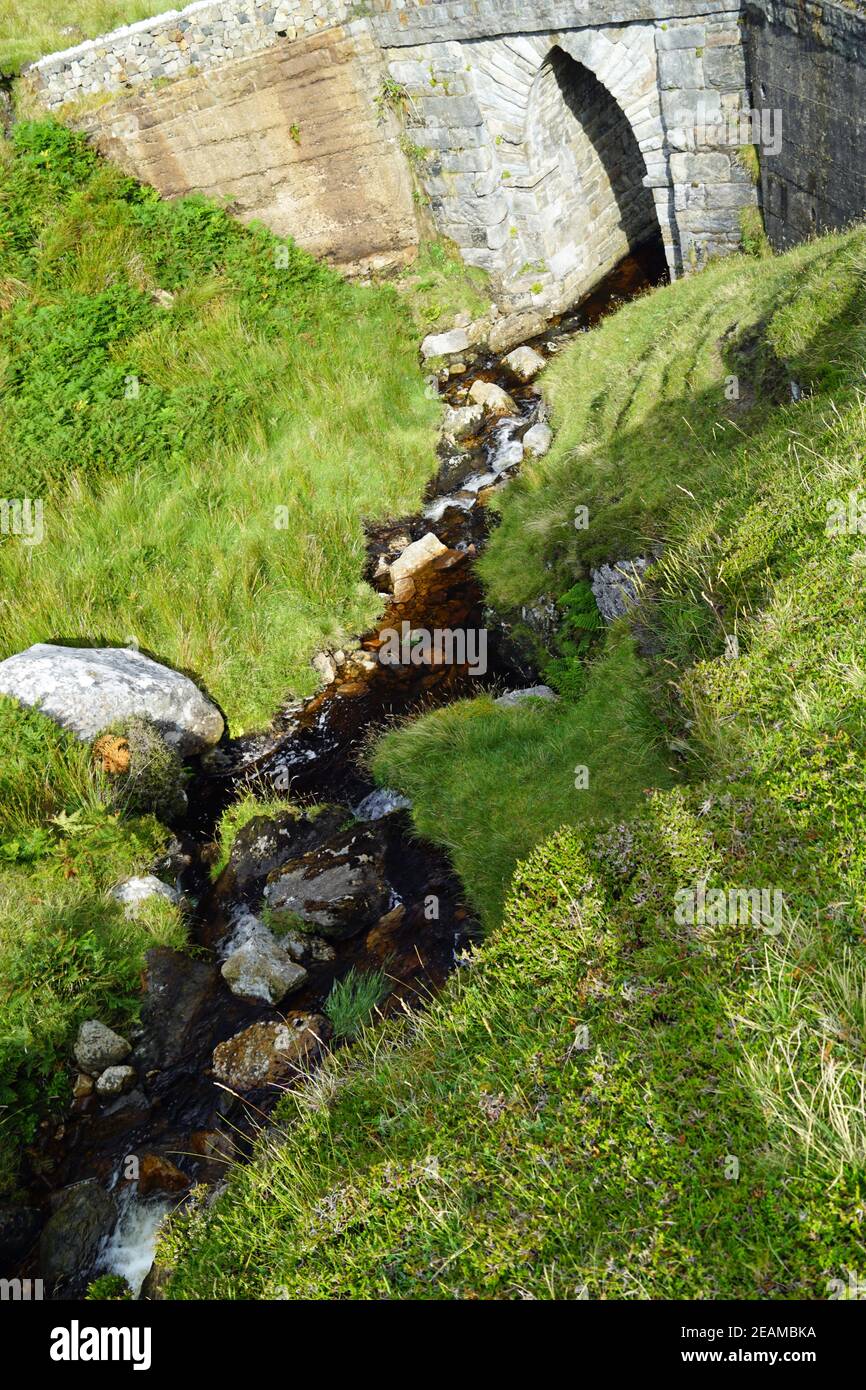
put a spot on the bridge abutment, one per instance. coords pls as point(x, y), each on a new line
point(547, 138)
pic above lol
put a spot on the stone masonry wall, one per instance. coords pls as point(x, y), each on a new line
point(210, 97)
point(807, 60)
point(292, 136)
point(201, 36)
point(492, 177)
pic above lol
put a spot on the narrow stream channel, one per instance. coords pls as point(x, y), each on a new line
point(179, 1125)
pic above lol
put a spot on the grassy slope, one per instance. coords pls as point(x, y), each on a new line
point(218, 516)
point(260, 385)
point(67, 952)
point(488, 1149)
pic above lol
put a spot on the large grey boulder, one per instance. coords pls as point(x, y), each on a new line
point(87, 689)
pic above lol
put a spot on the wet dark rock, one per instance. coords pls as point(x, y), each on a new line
point(98, 1047)
point(174, 863)
point(267, 842)
point(339, 888)
point(158, 1174)
point(69, 1242)
point(19, 1227)
point(179, 993)
point(267, 1053)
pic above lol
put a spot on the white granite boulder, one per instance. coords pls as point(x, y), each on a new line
point(88, 689)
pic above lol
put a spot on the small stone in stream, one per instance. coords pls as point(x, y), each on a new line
point(462, 422)
point(158, 1174)
point(515, 328)
point(84, 1215)
point(492, 397)
point(533, 692)
point(524, 362)
point(324, 666)
point(262, 971)
point(339, 888)
point(617, 587)
point(414, 558)
point(267, 1053)
point(135, 891)
point(380, 803)
point(83, 1086)
point(538, 440)
point(98, 1047)
point(115, 1081)
point(304, 947)
point(444, 344)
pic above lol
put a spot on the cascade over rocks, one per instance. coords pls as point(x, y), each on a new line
point(87, 689)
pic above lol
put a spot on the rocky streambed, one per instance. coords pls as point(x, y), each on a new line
point(338, 883)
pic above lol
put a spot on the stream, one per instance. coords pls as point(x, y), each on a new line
point(385, 899)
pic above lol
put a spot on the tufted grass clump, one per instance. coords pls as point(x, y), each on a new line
point(145, 775)
point(353, 999)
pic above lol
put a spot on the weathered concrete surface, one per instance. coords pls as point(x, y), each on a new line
point(292, 136)
point(807, 61)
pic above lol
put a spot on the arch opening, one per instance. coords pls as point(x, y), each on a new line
point(593, 208)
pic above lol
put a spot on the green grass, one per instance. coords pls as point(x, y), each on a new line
point(611, 1100)
point(28, 32)
point(353, 999)
point(439, 285)
point(493, 1149)
point(206, 465)
point(488, 783)
point(67, 951)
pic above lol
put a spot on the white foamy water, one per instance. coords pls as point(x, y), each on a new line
point(130, 1248)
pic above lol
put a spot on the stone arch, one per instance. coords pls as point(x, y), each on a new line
point(593, 205)
point(513, 80)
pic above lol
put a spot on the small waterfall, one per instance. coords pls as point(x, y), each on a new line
point(130, 1248)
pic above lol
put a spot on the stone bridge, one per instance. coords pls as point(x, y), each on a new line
point(544, 137)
